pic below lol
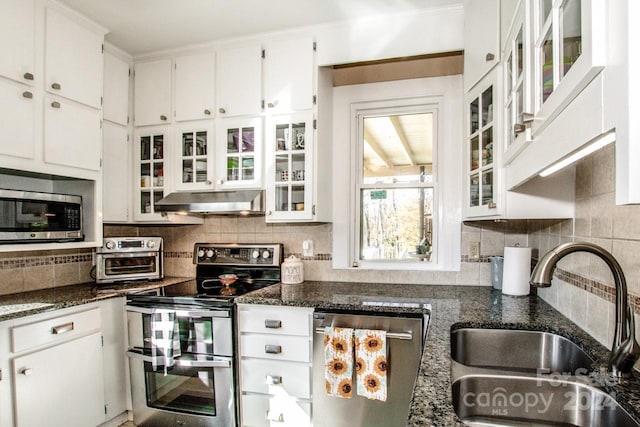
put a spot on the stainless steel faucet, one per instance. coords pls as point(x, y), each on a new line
point(625, 350)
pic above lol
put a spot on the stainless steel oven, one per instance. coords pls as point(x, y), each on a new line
point(182, 355)
point(123, 259)
point(181, 362)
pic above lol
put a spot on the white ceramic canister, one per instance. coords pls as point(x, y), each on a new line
point(292, 270)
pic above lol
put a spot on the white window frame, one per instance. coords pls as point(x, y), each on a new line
point(443, 97)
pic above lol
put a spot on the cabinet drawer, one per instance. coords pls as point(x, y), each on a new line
point(295, 349)
point(54, 330)
point(275, 377)
point(281, 411)
point(275, 320)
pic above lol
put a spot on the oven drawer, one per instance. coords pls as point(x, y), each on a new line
point(275, 377)
point(280, 411)
point(54, 330)
point(295, 349)
point(275, 320)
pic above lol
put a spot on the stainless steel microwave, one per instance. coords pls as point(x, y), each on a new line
point(27, 216)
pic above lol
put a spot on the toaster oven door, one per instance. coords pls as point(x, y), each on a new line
point(120, 267)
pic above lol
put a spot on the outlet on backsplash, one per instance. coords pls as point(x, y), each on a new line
point(474, 250)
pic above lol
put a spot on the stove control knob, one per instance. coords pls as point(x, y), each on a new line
point(151, 244)
point(266, 254)
point(210, 253)
point(200, 253)
point(255, 254)
point(110, 244)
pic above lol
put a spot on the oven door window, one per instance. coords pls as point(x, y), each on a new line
point(185, 389)
point(134, 264)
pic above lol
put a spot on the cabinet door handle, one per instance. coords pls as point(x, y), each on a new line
point(272, 324)
point(163, 117)
point(519, 128)
point(207, 112)
point(28, 76)
point(490, 57)
point(55, 104)
point(273, 380)
point(492, 205)
point(269, 212)
point(26, 372)
point(272, 104)
point(27, 94)
point(276, 418)
point(222, 110)
point(272, 349)
point(56, 86)
point(61, 329)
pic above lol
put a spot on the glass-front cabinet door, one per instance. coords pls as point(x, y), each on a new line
point(289, 175)
point(149, 155)
point(480, 151)
point(239, 156)
point(193, 156)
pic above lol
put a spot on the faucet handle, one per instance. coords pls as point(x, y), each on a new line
point(625, 356)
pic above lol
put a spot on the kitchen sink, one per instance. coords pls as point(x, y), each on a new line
point(502, 400)
point(518, 351)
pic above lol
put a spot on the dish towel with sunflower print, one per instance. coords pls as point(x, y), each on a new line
point(371, 364)
point(338, 359)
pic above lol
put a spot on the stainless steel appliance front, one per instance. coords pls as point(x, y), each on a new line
point(195, 385)
point(27, 216)
point(404, 348)
point(124, 259)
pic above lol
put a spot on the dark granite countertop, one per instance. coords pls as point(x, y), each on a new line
point(451, 307)
point(27, 303)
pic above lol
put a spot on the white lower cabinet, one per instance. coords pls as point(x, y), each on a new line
point(275, 365)
point(63, 368)
point(61, 385)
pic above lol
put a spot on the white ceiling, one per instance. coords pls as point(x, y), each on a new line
point(141, 26)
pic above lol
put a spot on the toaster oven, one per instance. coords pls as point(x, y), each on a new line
point(128, 259)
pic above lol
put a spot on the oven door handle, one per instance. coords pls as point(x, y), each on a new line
point(183, 363)
point(179, 312)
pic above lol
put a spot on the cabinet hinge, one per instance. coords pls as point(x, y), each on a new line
point(102, 48)
point(175, 66)
point(105, 409)
point(313, 210)
point(315, 124)
point(102, 336)
point(129, 71)
point(127, 119)
point(100, 124)
point(0, 374)
point(315, 100)
point(315, 46)
point(101, 100)
point(127, 136)
point(101, 166)
point(264, 53)
point(262, 104)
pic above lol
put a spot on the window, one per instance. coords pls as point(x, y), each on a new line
point(396, 185)
point(398, 175)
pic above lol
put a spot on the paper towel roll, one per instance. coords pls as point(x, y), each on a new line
point(516, 271)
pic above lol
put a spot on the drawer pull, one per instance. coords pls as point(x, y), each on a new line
point(272, 324)
point(272, 349)
point(26, 372)
point(276, 418)
point(273, 380)
point(61, 329)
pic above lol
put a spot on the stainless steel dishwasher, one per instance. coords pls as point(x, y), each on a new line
point(405, 340)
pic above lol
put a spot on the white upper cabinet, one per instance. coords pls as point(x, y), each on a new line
point(73, 59)
point(192, 156)
point(195, 86)
point(72, 134)
point(17, 112)
point(239, 77)
point(116, 90)
point(481, 39)
point(289, 75)
point(17, 40)
point(152, 86)
point(239, 153)
point(116, 169)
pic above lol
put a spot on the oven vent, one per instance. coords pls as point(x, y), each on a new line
point(241, 202)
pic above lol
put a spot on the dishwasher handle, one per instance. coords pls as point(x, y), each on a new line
point(408, 336)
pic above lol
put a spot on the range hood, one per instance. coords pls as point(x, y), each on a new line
point(241, 202)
